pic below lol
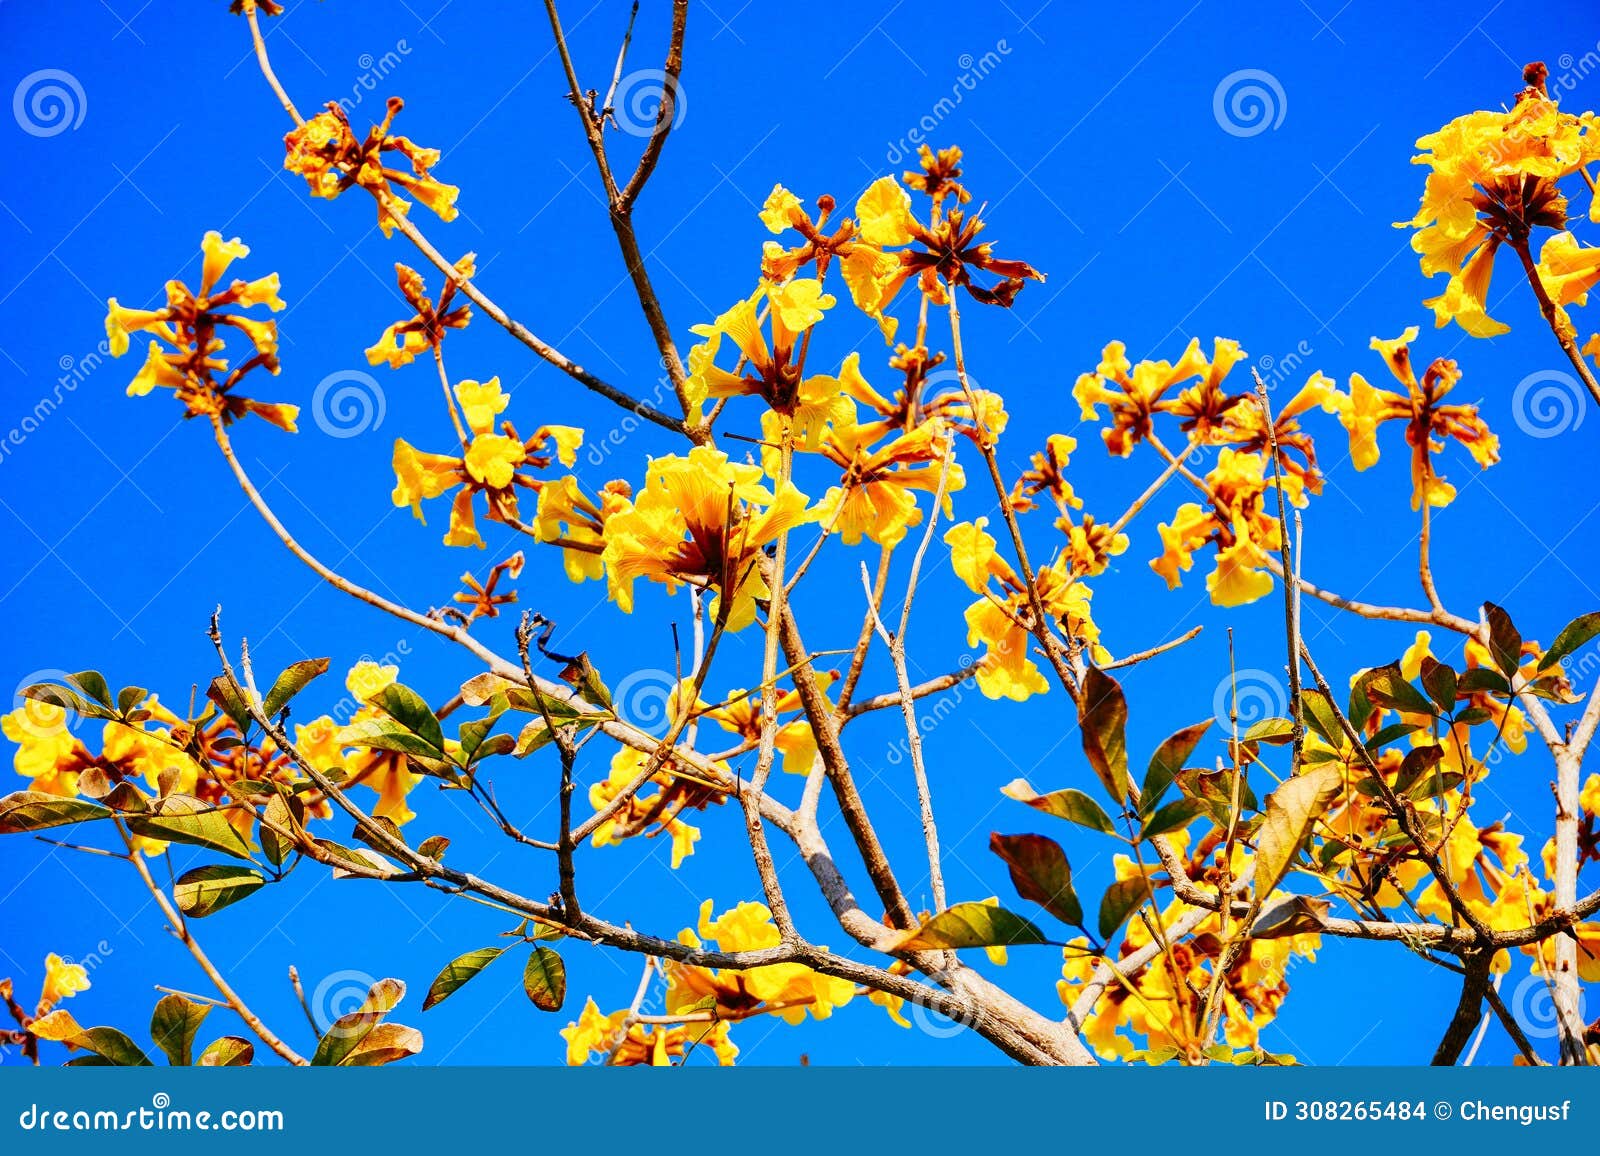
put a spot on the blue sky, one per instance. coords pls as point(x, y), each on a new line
point(1096, 144)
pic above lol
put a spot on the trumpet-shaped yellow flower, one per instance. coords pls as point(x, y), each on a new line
point(192, 325)
point(1241, 519)
point(62, 980)
point(1427, 419)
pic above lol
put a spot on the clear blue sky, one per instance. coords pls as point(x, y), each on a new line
point(1093, 140)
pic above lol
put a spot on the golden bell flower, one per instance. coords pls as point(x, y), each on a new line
point(866, 268)
point(1426, 418)
point(700, 519)
point(192, 324)
point(47, 752)
point(774, 373)
point(1048, 474)
point(677, 790)
point(324, 150)
point(425, 330)
point(1000, 620)
point(787, 990)
point(1134, 394)
point(1494, 177)
point(612, 1040)
point(386, 773)
point(1244, 426)
point(62, 980)
point(937, 176)
point(740, 714)
point(876, 496)
point(491, 464)
point(1241, 520)
point(950, 250)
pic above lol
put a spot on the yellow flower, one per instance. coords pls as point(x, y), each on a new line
point(1494, 178)
point(877, 495)
point(192, 325)
point(678, 790)
point(47, 752)
point(1134, 394)
point(1427, 419)
point(1241, 520)
point(403, 340)
point(62, 980)
point(327, 154)
point(702, 519)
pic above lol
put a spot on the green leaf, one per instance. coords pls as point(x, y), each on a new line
point(1296, 915)
point(185, 819)
point(545, 979)
point(1040, 872)
point(387, 735)
point(347, 1032)
point(1290, 812)
point(65, 698)
point(1417, 763)
point(1167, 762)
point(457, 972)
point(1439, 681)
point(1103, 719)
point(971, 925)
point(108, 1043)
point(1482, 678)
point(1573, 635)
point(35, 810)
point(206, 890)
point(173, 1027)
point(1175, 816)
point(227, 1052)
point(1385, 686)
point(1320, 717)
point(385, 824)
point(582, 676)
point(1068, 803)
point(93, 684)
point(411, 711)
point(433, 847)
point(1273, 731)
point(130, 697)
point(1389, 734)
point(230, 701)
point(472, 734)
point(1119, 901)
point(286, 814)
point(1505, 643)
point(533, 736)
point(291, 682)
